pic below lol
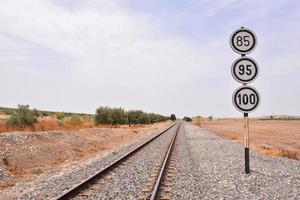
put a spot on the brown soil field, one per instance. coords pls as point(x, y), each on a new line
point(27, 154)
point(270, 137)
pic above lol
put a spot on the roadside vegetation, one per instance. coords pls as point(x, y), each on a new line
point(23, 118)
point(118, 116)
point(173, 117)
point(187, 119)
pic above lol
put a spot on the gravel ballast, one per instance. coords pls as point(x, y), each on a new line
point(127, 180)
point(209, 167)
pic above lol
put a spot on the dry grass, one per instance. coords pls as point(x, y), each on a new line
point(50, 124)
point(277, 152)
point(270, 137)
point(12, 169)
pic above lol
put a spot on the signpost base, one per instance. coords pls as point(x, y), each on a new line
point(247, 164)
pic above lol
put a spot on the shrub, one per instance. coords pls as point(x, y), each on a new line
point(133, 117)
point(188, 119)
point(36, 113)
point(75, 120)
point(37, 171)
point(103, 115)
point(154, 118)
point(199, 118)
point(118, 116)
point(59, 115)
point(144, 118)
point(44, 113)
point(106, 115)
point(138, 117)
point(60, 122)
point(23, 116)
point(173, 117)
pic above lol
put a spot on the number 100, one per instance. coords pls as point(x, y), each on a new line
point(245, 99)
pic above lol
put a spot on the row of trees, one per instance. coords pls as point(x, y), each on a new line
point(107, 115)
point(24, 116)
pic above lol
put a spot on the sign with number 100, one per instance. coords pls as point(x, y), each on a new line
point(246, 99)
point(243, 41)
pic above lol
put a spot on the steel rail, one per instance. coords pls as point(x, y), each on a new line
point(155, 190)
point(78, 187)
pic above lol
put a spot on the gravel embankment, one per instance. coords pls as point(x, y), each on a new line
point(127, 180)
point(53, 185)
point(206, 167)
point(209, 167)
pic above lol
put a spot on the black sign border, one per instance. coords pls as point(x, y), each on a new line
point(238, 107)
point(233, 73)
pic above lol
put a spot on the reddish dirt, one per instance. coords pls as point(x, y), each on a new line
point(270, 137)
point(26, 154)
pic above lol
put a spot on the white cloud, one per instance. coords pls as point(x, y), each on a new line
point(77, 55)
point(108, 49)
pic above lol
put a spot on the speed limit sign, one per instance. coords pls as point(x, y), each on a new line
point(246, 99)
point(243, 41)
point(244, 69)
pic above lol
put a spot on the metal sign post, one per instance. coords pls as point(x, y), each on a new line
point(246, 143)
point(245, 70)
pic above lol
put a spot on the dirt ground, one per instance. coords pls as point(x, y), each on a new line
point(270, 137)
point(26, 154)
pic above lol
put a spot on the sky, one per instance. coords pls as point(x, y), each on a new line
point(163, 56)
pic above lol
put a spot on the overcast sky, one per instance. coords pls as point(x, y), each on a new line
point(163, 56)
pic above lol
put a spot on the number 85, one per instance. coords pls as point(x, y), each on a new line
point(243, 40)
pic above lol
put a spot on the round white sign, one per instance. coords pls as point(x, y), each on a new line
point(243, 41)
point(244, 70)
point(246, 99)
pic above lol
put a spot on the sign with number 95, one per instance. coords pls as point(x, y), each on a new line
point(244, 69)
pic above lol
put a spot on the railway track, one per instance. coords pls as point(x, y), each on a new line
point(159, 187)
point(154, 191)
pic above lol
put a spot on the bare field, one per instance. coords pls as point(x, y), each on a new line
point(28, 154)
point(270, 137)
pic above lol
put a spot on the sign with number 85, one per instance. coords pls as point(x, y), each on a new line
point(243, 41)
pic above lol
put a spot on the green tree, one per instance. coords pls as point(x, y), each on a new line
point(173, 117)
point(106, 115)
point(23, 116)
point(103, 115)
point(118, 116)
point(133, 117)
point(144, 118)
point(36, 113)
point(188, 119)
